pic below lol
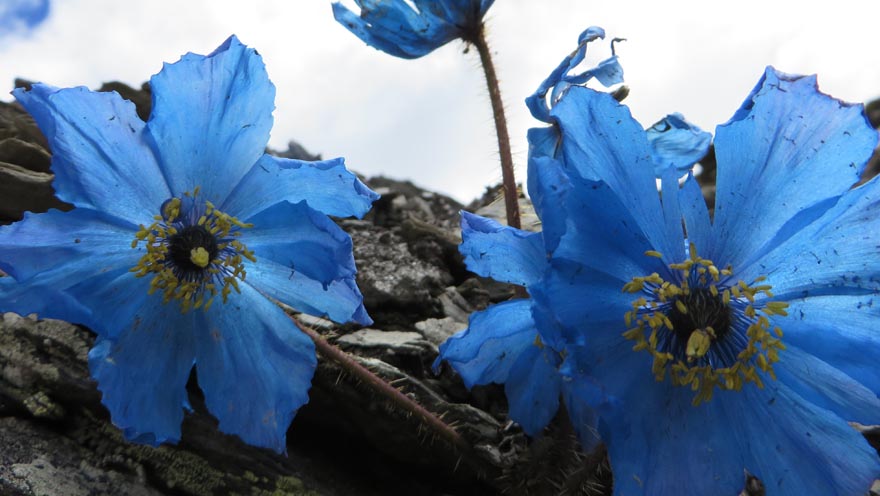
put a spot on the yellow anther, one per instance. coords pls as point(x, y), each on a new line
point(655, 254)
point(195, 291)
point(681, 306)
point(649, 327)
point(171, 210)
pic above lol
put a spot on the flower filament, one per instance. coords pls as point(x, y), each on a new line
point(193, 252)
point(702, 329)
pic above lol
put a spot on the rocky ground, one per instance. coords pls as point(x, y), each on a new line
point(56, 438)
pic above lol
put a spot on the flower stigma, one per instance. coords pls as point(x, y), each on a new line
point(193, 252)
point(702, 328)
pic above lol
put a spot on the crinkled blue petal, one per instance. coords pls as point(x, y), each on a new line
point(832, 254)
point(41, 297)
point(501, 252)
point(695, 213)
point(608, 72)
point(81, 241)
point(495, 338)
point(815, 139)
point(100, 156)
point(254, 366)
point(51, 255)
point(327, 186)
point(304, 240)
point(677, 143)
point(547, 183)
point(393, 27)
point(840, 330)
point(601, 141)
point(533, 388)
point(340, 301)
point(211, 119)
point(142, 373)
point(827, 387)
point(672, 210)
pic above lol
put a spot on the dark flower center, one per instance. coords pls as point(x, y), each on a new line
point(181, 245)
point(703, 310)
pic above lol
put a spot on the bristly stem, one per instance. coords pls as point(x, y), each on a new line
point(384, 389)
point(511, 195)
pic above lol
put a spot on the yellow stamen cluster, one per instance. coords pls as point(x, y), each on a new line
point(220, 274)
point(648, 324)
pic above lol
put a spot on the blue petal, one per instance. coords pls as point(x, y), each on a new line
point(787, 136)
point(840, 330)
point(254, 366)
point(303, 240)
point(51, 255)
point(827, 387)
point(81, 240)
point(327, 186)
point(100, 156)
point(500, 252)
point(601, 141)
point(142, 375)
point(695, 214)
point(608, 72)
point(395, 28)
point(833, 254)
point(547, 183)
point(677, 143)
point(340, 301)
point(211, 118)
point(533, 389)
point(495, 338)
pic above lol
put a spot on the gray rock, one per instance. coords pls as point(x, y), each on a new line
point(390, 342)
point(437, 331)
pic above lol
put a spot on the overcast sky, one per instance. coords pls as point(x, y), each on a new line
point(429, 120)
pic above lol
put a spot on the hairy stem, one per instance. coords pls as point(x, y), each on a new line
point(385, 390)
point(507, 178)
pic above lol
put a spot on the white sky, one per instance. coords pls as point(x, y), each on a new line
point(429, 120)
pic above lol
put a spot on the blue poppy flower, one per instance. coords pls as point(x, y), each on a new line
point(184, 233)
point(396, 28)
point(743, 341)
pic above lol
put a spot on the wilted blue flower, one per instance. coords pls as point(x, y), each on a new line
point(394, 27)
point(184, 232)
point(18, 15)
point(746, 341)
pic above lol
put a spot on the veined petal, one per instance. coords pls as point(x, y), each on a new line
point(211, 119)
point(327, 186)
point(816, 140)
point(827, 387)
point(547, 183)
point(601, 141)
point(839, 330)
point(533, 388)
point(81, 241)
point(695, 213)
point(255, 368)
point(100, 157)
point(142, 375)
point(304, 240)
point(833, 254)
point(494, 340)
point(677, 143)
point(340, 301)
point(394, 28)
point(500, 252)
